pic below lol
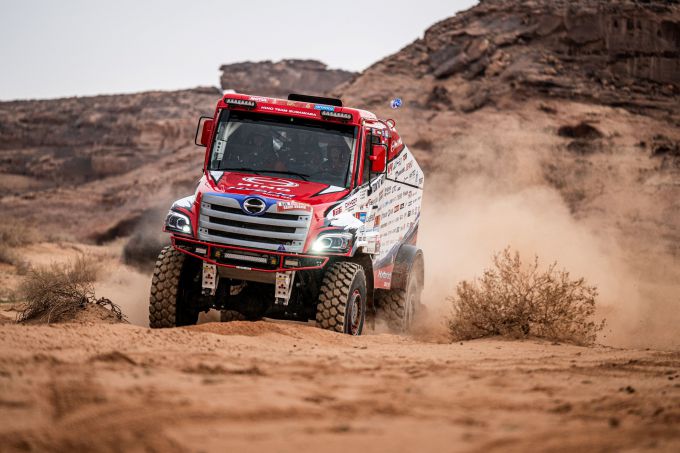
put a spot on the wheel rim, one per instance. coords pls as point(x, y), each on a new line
point(354, 307)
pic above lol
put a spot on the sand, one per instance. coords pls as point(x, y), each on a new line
point(274, 386)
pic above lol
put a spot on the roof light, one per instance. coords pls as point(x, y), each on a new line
point(337, 115)
point(240, 102)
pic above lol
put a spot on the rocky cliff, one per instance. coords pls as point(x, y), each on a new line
point(278, 79)
point(76, 140)
point(581, 97)
point(617, 53)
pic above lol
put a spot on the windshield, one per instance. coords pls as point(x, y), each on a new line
point(298, 148)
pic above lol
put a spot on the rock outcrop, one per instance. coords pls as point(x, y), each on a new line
point(278, 79)
point(619, 53)
point(76, 140)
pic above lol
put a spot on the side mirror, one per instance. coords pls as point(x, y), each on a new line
point(377, 159)
point(204, 130)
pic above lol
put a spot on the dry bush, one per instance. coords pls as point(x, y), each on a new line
point(519, 301)
point(56, 293)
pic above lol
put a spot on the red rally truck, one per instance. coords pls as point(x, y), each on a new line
point(306, 210)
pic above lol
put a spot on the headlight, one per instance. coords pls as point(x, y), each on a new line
point(333, 242)
point(179, 223)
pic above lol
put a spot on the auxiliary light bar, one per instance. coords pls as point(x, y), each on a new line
point(240, 102)
point(237, 256)
point(337, 115)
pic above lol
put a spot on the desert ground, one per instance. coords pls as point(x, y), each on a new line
point(97, 385)
point(548, 126)
point(270, 386)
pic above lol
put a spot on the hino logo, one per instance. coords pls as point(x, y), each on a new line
point(254, 206)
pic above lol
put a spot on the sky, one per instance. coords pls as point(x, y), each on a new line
point(51, 49)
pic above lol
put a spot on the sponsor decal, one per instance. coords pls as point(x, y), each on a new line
point(284, 206)
point(287, 110)
point(271, 182)
point(396, 144)
point(327, 108)
point(384, 275)
point(361, 216)
point(270, 193)
point(351, 204)
point(258, 99)
point(281, 248)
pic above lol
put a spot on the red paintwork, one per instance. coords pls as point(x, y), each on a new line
point(269, 186)
point(281, 256)
point(290, 189)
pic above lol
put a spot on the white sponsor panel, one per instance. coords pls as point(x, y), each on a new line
point(384, 218)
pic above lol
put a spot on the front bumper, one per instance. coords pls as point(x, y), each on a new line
point(247, 258)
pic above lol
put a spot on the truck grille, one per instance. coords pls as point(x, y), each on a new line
point(223, 221)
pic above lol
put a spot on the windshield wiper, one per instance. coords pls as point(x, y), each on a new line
point(249, 170)
point(281, 172)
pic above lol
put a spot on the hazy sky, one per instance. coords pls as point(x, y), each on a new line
point(81, 47)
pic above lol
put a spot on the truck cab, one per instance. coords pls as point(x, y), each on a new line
point(306, 210)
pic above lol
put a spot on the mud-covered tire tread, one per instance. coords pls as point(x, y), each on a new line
point(164, 285)
point(334, 294)
point(231, 315)
point(391, 307)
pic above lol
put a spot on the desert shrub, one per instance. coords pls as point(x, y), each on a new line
point(57, 292)
point(521, 300)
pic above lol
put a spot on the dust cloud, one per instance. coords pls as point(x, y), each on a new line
point(466, 219)
point(129, 289)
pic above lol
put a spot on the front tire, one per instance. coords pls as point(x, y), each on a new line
point(342, 299)
point(170, 299)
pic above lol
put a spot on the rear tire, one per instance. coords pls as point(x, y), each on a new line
point(399, 307)
point(342, 299)
point(170, 299)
